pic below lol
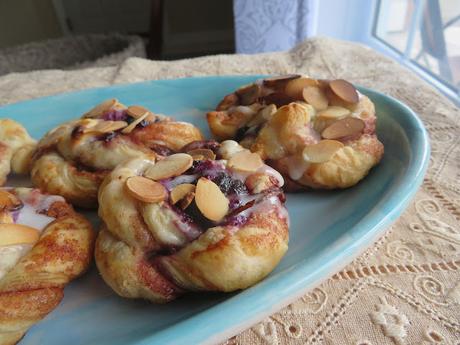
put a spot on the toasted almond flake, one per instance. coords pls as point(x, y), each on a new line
point(343, 128)
point(180, 191)
point(248, 94)
point(8, 201)
point(333, 112)
point(294, 88)
point(262, 116)
point(171, 166)
point(11, 233)
point(344, 90)
point(133, 124)
point(186, 200)
point(316, 97)
point(210, 200)
point(279, 81)
point(137, 111)
point(103, 107)
point(104, 126)
point(200, 154)
point(322, 151)
point(245, 161)
point(145, 190)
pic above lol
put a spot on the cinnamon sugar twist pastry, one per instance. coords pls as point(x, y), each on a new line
point(317, 133)
point(16, 148)
point(191, 222)
point(44, 245)
point(73, 159)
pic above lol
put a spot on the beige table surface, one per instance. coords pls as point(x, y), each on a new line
point(406, 288)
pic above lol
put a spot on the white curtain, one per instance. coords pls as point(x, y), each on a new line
point(271, 25)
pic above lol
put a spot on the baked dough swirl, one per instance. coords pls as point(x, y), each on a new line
point(44, 245)
point(191, 223)
point(317, 133)
point(73, 159)
point(16, 148)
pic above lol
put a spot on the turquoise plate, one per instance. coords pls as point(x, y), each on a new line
point(328, 229)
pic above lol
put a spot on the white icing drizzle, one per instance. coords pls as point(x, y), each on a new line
point(296, 166)
point(33, 203)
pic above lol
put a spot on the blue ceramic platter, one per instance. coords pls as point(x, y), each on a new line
point(328, 229)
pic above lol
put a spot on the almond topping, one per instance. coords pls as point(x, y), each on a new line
point(279, 81)
point(245, 161)
point(316, 97)
point(322, 151)
point(11, 233)
point(180, 191)
point(171, 166)
point(103, 107)
point(344, 90)
point(137, 111)
point(104, 126)
point(249, 94)
point(133, 124)
point(6, 217)
point(186, 200)
point(343, 128)
point(8, 201)
point(210, 200)
point(333, 112)
point(145, 190)
point(294, 88)
point(200, 154)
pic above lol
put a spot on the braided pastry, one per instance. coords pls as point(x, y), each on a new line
point(44, 244)
point(191, 222)
point(73, 159)
point(317, 133)
point(16, 148)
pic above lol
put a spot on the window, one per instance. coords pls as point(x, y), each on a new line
point(424, 34)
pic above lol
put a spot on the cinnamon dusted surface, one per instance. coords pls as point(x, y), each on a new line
point(406, 288)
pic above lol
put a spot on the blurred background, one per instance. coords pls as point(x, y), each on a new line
point(423, 35)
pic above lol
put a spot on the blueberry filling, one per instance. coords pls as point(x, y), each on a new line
point(117, 115)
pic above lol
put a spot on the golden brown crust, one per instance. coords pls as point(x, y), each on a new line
point(149, 250)
point(73, 159)
point(34, 286)
point(300, 120)
point(16, 147)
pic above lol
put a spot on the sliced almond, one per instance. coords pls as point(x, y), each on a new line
point(245, 161)
point(171, 166)
point(137, 111)
point(11, 233)
point(343, 128)
point(180, 191)
point(249, 94)
point(316, 97)
point(104, 126)
point(294, 88)
point(186, 200)
point(333, 112)
point(210, 200)
point(344, 90)
point(103, 107)
point(133, 124)
point(200, 154)
point(279, 81)
point(9, 201)
point(145, 190)
point(6, 217)
point(322, 151)
point(263, 115)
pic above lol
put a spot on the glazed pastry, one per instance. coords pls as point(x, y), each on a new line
point(16, 148)
point(212, 219)
point(73, 159)
point(44, 245)
point(317, 133)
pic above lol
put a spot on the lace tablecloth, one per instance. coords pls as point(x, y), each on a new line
point(406, 288)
